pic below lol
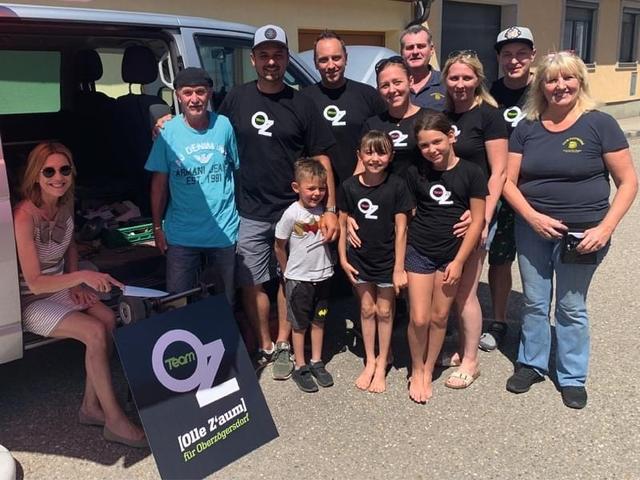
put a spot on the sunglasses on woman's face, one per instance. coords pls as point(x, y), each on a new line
point(49, 172)
point(397, 59)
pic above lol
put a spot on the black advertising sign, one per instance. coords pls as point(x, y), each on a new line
point(195, 388)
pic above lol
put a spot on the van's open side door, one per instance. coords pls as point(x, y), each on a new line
point(10, 317)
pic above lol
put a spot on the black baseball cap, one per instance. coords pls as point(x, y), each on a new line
point(192, 77)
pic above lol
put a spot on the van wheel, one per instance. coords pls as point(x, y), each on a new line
point(132, 309)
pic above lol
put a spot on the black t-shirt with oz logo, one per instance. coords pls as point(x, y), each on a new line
point(473, 128)
point(345, 110)
point(374, 209)
point(404, 139)
point(510, 101)
point(441, 198)
point(273, 131)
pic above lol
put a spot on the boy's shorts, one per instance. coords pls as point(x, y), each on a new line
point(415, 262)
point(255, 258)
point(503, 247)
point(306, 302)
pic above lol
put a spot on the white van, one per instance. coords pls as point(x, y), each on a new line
point(90, 78)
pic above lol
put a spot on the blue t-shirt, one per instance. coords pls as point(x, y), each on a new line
point(562, 174)
point(433, 95)
point(200, 164)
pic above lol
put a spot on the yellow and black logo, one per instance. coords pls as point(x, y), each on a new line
point(573, 145)
point(437, 96)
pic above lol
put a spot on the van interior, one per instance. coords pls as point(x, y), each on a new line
point(92, 88)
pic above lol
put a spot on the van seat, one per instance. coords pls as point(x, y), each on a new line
point(139, 66)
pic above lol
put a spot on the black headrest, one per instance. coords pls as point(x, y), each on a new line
point(88, 66)
point(139, 65)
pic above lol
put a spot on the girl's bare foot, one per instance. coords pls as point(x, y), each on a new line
point(416, 387)
point(364, 380)
point(379, 382)
point(428, 386)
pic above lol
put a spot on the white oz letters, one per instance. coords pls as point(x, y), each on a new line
point(513, 116)
point(440, 194)
point(334, 115)
point(262, 123)
point(367, 207)
point(399, 138)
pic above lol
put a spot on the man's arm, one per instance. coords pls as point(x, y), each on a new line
point(330, 229)
point(159, 189)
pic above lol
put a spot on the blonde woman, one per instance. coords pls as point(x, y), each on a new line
point(481, 138)
point(560, 160)
point(57, 299)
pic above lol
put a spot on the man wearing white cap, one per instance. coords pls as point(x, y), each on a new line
point(275, 125)
point(516, 52)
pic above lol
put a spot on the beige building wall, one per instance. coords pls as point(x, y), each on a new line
point(610, 83)
point(385, 16)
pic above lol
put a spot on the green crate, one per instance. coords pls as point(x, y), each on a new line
point(124, 236)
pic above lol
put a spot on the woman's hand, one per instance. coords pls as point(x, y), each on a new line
point(352, 232)
point(452, 273)
point(100, 282)
point(547, 227)
point(329, 227)
point(400, 280)
point(460, 228)
point(483, 236)
point(594, 239)
point(351, 272)
point(81, 296)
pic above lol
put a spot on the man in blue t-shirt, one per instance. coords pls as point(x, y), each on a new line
point(193, 161)
point(427, 89)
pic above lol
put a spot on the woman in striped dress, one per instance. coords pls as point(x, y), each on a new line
point(58, 300)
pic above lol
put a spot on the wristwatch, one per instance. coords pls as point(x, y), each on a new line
point(330, 209)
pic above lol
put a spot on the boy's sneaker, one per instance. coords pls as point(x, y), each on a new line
point(323, 377)
point(574, 397)
point(303, 378)
point(521, 381)
point(262, 358)
point(282, 364)
point(493, 337)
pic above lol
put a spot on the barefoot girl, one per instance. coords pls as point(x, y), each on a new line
point(444, 187)
point(379, 202)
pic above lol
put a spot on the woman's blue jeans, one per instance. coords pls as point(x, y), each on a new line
point(539, 259)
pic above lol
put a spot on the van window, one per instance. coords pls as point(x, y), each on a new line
point(228, 62)
point(111, 83)
point(30, 81)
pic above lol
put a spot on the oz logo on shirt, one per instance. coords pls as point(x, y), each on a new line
point(334, 115)
point(513, 116)
point(368, 209)
point(399, 138)
point(440, 194)
point(262, 123)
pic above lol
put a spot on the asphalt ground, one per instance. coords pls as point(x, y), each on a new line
point(340, 432)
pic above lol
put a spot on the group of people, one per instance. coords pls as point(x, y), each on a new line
point(416, 182)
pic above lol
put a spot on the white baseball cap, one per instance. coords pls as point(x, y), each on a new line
point(512, 35)
point(270, 33)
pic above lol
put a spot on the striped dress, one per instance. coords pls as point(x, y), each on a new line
point(42, 313)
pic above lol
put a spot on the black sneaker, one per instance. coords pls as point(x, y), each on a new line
point(303, 378)
point(574, 397)
point(262, 358)
point(323, 377)
point(522, 380)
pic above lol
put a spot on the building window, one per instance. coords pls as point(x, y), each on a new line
point(579, 23)
point(629, 36)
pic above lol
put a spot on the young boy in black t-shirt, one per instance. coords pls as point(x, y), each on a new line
point(379, 202)
point(444, 186)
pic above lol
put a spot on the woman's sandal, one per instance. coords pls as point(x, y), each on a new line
point(465, 378)
point(109, 436)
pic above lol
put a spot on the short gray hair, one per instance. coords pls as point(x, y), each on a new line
point(412, 30)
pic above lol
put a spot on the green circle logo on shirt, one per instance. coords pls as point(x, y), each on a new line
point(572, 145)
point(437, 95)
